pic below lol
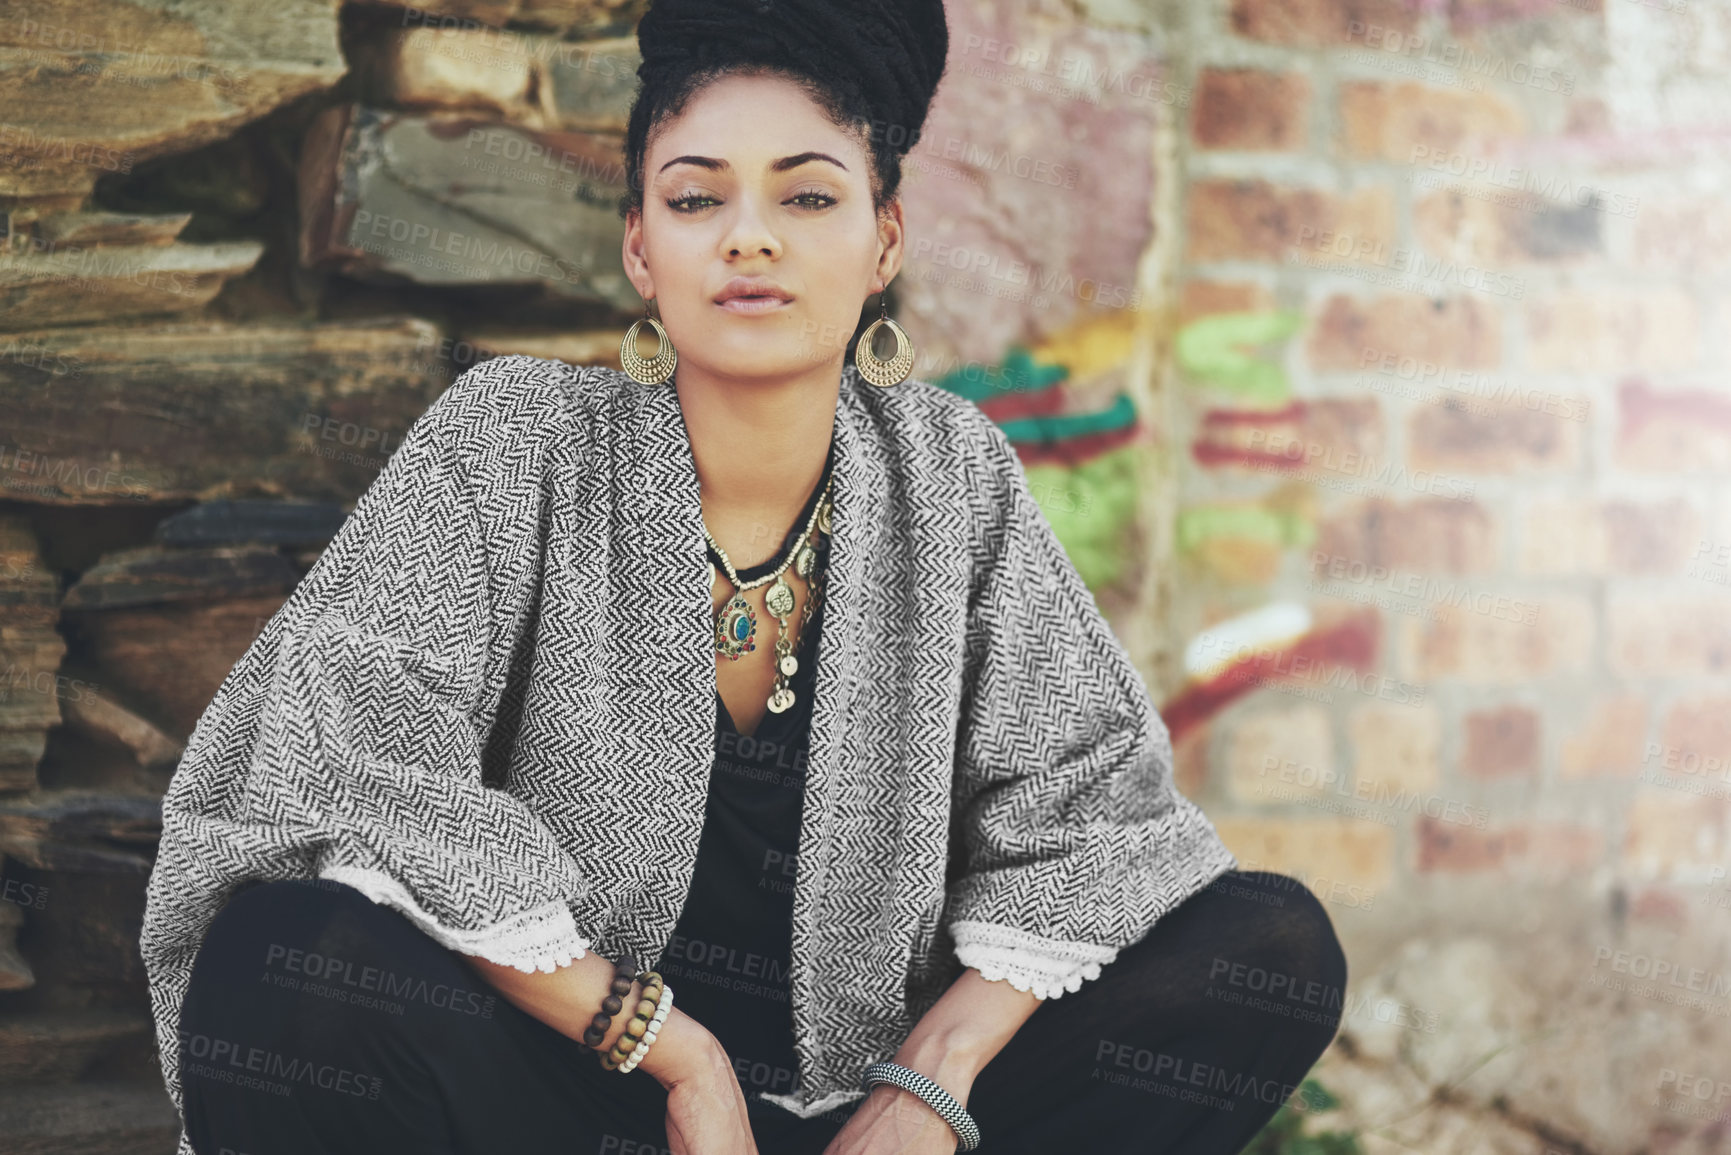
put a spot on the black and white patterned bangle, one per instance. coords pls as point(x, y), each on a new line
point(938, 1099)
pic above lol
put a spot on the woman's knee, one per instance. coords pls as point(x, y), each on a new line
point(309, 930)
point(1290, 926)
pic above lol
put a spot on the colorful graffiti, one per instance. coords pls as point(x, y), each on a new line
point(1080, 466)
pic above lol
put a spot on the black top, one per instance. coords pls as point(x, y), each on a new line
point(729, 955)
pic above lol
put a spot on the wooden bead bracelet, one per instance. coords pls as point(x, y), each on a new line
point(651, 1012)
point(624, 975)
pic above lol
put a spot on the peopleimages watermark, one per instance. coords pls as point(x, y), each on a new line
point(71, 264)
point(17, 142)
point(1667, 981)
point(1348, 571)
point(446, 250)
point(1717, 894)
point(25, 894)
point(1316, 671)
point(986, 266)
point(1709, 562)
point(260, 1068)
point(34, 355)
point(1548, 191)
point(1467, 60)
point(143, 66)
point(483, 41)
point(1471, 384)
point(1072, 74)
point(1310, 781)
point(1322, 888)
point(369, 986)
point(1347, 469)
point(47, 683)
point(727, 967)
point(530, 162)
point(1703, 1089)
point(1369, 258)
point(324, 427)
point(1680, 768)
point(1277, 992)
point(1187, 1080)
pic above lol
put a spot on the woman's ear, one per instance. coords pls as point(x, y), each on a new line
point(891, 249)
point(632, 255)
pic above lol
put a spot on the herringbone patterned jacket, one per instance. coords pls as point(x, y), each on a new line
point(507, 649)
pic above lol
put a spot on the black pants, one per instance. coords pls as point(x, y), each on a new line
point(319, 1023)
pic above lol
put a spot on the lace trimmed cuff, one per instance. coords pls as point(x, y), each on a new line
point(1044, 967)
point(542, 939)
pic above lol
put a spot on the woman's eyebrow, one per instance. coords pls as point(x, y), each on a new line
point(716, 164)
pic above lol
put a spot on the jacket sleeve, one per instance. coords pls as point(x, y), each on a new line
point(347, 741)
point(1073, 838)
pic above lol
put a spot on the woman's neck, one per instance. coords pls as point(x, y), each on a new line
point(759, 448)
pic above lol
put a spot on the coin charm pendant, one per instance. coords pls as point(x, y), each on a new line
point(823, 517)
point(789, 665)
point(805, 561)
point(781, 700)
point(736, 628)
point(779, 599)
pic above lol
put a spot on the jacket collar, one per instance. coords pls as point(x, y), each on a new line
point(663, 510)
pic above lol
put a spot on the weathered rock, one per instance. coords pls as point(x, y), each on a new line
point(81, 830)
point(72, 282)
point(540, 82)
point(46, 1046)
point(210, 409)
point(86, 934)
point(143, 614)
point(104, 228)
point(92, 89)
point(97, 713)
point(266, 522)
point(89, 1119)
point(31, 650)
point(579, 347)
point(15, 972)
point(166, 661)
point(21, 749)
point(573, 15)
point(454, 200)
point(153, 575)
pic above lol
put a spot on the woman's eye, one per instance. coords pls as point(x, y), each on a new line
point(688, 203)
point(695, 202)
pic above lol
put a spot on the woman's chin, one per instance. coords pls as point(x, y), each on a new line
point(767, 359)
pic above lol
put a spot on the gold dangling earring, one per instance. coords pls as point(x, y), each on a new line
point(656, 369)
point(875, 369)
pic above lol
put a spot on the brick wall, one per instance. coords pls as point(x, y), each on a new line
point(1492, 446)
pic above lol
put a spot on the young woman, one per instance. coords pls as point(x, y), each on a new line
point(873, 790)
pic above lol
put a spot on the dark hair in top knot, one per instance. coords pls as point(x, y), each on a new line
point(872, 65)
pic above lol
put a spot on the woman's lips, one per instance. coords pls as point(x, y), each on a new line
point(752, 305)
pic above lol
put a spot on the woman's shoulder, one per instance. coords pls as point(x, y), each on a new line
point(517, 389)
point(934, 431)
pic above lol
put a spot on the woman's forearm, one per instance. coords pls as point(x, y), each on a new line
point(964, 1030)
point(568, 999)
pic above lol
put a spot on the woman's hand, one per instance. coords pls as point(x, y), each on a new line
point(706, 1112)
point(892, 1121)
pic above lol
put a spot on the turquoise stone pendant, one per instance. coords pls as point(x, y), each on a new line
point(736, 628)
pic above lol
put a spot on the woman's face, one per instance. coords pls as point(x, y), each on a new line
point(752, 179)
